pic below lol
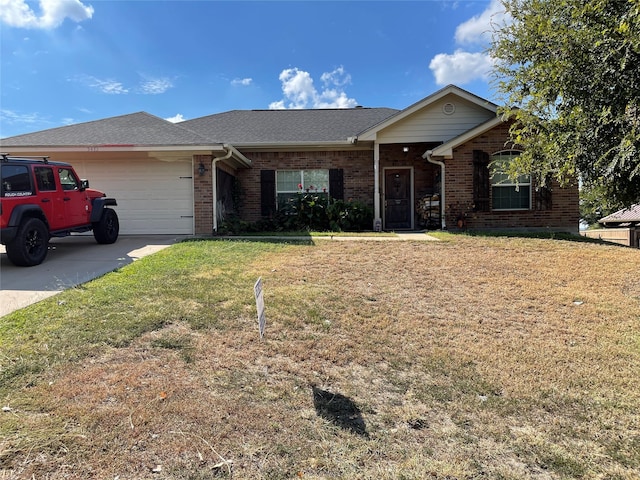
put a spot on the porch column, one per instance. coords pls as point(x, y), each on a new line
point(377, 219)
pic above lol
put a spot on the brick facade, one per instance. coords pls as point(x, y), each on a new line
point(357, 166)
point(561, 215)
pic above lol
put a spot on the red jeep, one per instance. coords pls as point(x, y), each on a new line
point(40, 199)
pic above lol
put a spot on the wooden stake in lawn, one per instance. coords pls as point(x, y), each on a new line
point(262, 321)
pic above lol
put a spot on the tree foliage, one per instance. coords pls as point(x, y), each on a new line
point(569, 71)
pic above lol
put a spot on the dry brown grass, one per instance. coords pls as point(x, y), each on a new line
point(476, 358)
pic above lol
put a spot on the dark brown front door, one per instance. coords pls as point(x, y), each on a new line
point(397, 199)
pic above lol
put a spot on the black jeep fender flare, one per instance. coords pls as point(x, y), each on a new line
point(26, 210)
point(20, 212)
point(98, 205)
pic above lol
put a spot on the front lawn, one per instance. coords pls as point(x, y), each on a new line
point(498, 358)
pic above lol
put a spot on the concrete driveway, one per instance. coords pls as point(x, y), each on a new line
point(71, 261)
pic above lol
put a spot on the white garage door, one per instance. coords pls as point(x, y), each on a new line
point(154, 197)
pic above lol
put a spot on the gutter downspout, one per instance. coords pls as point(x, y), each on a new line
point(214, 183)
point(427, 157)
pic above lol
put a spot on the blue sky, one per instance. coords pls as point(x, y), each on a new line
point(72, 61)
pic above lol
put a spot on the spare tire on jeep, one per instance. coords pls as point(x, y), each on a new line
point(107, 228)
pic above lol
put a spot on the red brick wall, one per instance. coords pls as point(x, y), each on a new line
point(563, 215)
point(357, 166)
point(424, 173)
point(202, 196)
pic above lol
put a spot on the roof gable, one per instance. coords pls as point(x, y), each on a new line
point(126, 130)
point(435, 110)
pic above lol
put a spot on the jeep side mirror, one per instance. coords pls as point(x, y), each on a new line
point(84, 184)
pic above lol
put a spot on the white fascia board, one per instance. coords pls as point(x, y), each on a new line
point(371, 134)
point(191, 149)
point(446, 149)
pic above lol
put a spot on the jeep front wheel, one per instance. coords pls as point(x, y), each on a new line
point(30, 245)
point(106, 230)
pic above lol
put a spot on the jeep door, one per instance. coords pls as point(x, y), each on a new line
point(74, 198)
point(49, 196)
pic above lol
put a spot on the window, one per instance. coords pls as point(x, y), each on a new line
point(45, 179)
point(68, 179)
point(507, 194)
point(16, 181)
point(291, 182)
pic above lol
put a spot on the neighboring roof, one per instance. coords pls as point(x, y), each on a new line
point(626, 215)
point(126, 130)
point(371, 131)
point(263, 127)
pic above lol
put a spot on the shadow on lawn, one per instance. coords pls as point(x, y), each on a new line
point(339, 410)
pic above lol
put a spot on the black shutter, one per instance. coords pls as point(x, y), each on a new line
point(481, 181)
point(543, 197)
point(336, 183)
point(267, 192)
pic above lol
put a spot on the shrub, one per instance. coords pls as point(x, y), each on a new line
point(308, 212)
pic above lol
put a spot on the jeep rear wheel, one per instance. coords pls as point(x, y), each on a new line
point(30, 245)
point(106, 230)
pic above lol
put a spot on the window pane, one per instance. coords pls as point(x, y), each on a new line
point(45, 179)
point(503, 179)
point(316, 180)
point(288, 180)
point(511, 197)
point(286, 200)
point(15, 181)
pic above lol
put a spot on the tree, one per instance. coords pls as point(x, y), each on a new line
point(569, 71)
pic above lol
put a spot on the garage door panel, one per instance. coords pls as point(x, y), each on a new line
point(154, 197)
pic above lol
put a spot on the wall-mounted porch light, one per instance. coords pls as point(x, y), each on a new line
point(201, 169)
point(405, 150)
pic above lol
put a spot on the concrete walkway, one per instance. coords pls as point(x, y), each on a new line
point(402, 236)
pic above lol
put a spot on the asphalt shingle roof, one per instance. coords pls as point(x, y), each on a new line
point(236, 127)
point(240, 127)
point(133, 129)
point(630, 214)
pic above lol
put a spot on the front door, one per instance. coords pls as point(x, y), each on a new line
point(397, 199)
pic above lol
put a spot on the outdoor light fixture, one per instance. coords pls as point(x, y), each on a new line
point(405, 150)
point(201, 169)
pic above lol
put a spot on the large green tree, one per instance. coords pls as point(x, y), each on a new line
point(569, 71)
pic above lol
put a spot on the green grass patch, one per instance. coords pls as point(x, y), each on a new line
point(188, 282)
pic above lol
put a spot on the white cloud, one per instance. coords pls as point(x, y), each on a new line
point(175, 119)
point(460, 67)
point(111, 87)
point(477, 30)
point(18, 13)
point(300, 92)
point(155, 86)
point(11, 117)
point(244, 82)
point(464, 66)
